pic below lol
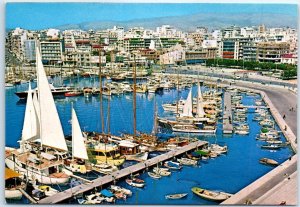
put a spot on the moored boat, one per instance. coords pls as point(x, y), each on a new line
point(271, 146)
point(13, 183)
point(47, 190)
point(187, 161)
point(268, 161)
point(73, 93)
point(134, 184)
point(173, 165)
point(154, 175)
point(176, 196)
point(211, 195)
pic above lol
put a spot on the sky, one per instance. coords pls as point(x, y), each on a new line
point(46, 15)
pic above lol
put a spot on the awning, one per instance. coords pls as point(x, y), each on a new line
point(106, 193)
point(10, 174)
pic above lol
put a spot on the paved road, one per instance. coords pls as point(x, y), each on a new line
point(210, 73)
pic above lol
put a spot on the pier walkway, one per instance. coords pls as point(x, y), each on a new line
point(227, 115)
point(70, 193)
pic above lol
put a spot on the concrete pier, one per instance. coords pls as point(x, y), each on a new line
point(227, 115)
point(266, 184)
point(67, 194)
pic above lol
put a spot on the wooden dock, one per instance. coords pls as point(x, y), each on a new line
point(28, 196)
point(70, 193)
point(227, 114)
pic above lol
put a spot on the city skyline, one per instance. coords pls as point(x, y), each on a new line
point(49, 15)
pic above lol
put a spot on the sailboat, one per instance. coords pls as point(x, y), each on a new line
point(78, 163)
point(188, 123)
point(43, 147)
point(106, 155)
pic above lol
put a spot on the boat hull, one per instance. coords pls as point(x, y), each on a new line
point(36, 176)
point(13, 194)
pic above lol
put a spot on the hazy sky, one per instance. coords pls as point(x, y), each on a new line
point(45, 15)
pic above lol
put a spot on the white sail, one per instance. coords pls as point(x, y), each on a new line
point(78, 145)
point(188, 106)
point(200, 110)
point(30, 125)
point(50, 127)
point(36, 105)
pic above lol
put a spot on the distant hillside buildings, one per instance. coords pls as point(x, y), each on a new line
point(165, 45)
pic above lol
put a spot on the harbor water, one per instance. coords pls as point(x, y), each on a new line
point(229, 172)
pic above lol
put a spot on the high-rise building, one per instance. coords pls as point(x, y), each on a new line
point(29, 50)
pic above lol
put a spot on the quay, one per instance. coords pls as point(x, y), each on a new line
point(269, 184)
point(227, 115)
point(99, 182)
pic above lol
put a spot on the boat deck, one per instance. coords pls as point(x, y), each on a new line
point(67, 194)
point(227, 115)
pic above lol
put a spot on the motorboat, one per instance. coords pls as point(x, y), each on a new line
point(56, 91)
point(176, 196)
point(73, 93)
point(211, 195)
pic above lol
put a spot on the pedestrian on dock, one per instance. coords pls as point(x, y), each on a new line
point(285, 128)
point(283, 116)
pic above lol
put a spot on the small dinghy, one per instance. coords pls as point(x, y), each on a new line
point(176, 196)
point(154, 175)
point(173, 165)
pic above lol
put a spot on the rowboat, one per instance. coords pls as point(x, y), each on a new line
point(154, 175)
point(176, 196)
point(187, 161)
point(161, 172)
point(134, 184)
point(211, 195)
point(268, 161)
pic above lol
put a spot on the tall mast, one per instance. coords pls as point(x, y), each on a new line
point(177, 110)
point(100, 88)
point(134, 97)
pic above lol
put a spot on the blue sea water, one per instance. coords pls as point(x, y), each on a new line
point(230, 172)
